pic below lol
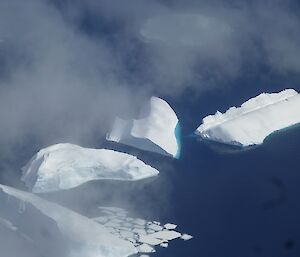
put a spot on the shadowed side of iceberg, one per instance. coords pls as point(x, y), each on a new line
point(155, 131)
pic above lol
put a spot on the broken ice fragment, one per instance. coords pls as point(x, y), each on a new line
point(170, 226)
point(186, 237)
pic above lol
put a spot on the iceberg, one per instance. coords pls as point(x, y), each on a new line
point(158, 131)
point(24, 229)
point(27, 219)
point(251, 123)
point(64, 166)
point(88, 238)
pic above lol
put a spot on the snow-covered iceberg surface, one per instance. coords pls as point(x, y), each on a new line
point(87, 237)
point(251, 123)
point(64, 166)
point(158, 131)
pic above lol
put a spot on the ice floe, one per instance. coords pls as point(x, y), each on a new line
point(145, 235)
point(186, 237)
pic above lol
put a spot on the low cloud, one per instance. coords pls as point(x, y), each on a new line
point(67, 67)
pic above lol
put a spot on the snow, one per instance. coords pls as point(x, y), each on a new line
point(64, 166)
point(91, 238)
point(251, 123)
point(158, 130)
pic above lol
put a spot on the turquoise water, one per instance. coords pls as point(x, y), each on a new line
point(178, 139)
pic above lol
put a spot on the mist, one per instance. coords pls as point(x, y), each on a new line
point(67, 68)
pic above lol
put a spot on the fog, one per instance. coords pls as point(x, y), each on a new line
point(67, 68)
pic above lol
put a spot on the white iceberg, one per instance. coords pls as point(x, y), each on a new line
point(64, 166)
point(158, 131)
point(251, 123)
point(24, 229)
point(89, 238)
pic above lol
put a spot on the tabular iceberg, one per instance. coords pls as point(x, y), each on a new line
point(88, 238)
point(64, 166)
point(158, 132)
point(251, 123)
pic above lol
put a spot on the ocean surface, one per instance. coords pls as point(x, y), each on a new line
point(234, 202)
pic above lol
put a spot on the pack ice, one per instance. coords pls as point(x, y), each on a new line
point(145, 235)
point(251, 123)
point(158, 131)
point(64, 166)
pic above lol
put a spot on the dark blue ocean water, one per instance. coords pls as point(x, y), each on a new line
point(236, 203)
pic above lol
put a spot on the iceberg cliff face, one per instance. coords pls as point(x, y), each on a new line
point(64, 166)
point(88, 238)
point(157, 132)
point(251, 123)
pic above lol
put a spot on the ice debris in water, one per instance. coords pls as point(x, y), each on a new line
point(145, 235)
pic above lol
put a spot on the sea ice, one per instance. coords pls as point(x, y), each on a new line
point(170, 226)
point(145, 248)
point(142, 233)
point(155, 227)
point(186, 237)
point(165, 245)
point(166, 235)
